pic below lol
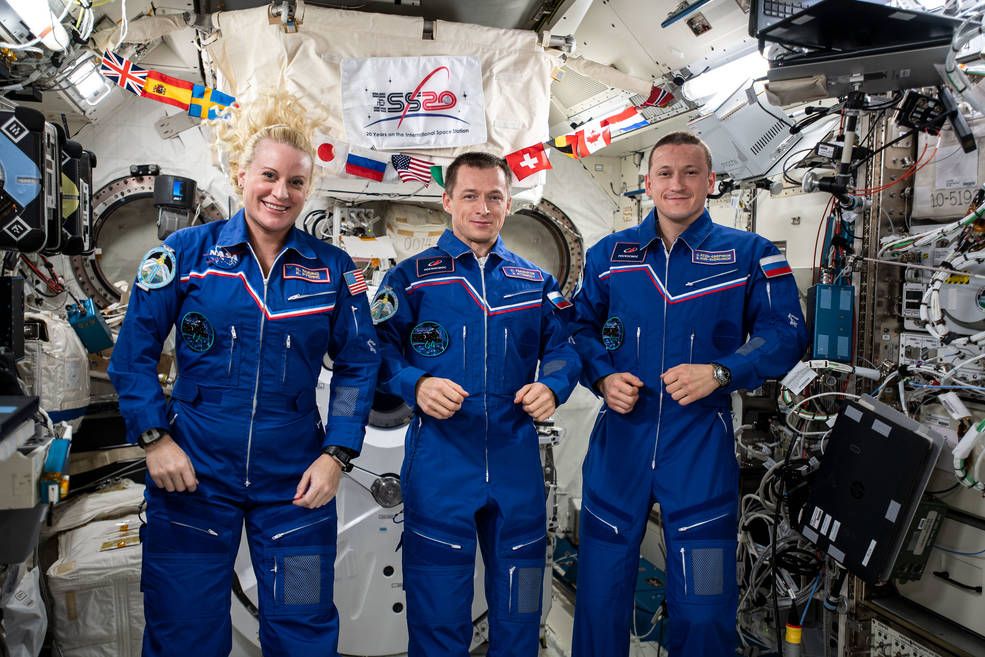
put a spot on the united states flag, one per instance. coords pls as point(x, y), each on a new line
point(355, 281)
point(412, 169)
point(122, 72)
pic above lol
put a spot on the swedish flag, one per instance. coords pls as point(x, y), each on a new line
point(207, 102)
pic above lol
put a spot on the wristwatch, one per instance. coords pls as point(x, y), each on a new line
point(342, 455)
point(149, 436)
point(721, 374)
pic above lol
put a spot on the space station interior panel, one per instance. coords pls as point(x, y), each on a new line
point(514, 94)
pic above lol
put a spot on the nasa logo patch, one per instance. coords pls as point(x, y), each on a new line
point(220, 256)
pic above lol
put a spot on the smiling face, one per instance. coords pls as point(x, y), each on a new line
point(478, 205)
point(679, 182)
point(275, 185)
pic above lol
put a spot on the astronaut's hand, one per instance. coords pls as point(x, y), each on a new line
point(537, 400)
point(621, 391)
point(319, 483)
point(439, 398)
point(689, 383)
point(169, 466)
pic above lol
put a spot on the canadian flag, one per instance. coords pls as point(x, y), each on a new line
point(528, 161)
point(592, 136)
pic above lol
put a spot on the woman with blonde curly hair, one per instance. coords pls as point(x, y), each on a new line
point(255, 304)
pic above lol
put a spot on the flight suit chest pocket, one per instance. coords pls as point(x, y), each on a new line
point(518, 352)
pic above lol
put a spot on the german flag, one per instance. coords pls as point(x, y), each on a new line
point(166, 89)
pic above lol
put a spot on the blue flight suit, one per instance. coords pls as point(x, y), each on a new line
point(249, 350)
point(478, 471)
point(643, 308)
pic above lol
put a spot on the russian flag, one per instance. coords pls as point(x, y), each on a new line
point(774, 265)
point(558, 300)
point(365, 167)
point(625, 121)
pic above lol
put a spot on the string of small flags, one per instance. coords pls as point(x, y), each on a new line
point(196, 99)
point(340, 158)
point(588, 139)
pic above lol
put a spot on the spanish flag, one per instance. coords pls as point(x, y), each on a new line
point(166, 89)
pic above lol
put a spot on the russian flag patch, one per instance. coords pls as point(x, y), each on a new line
point(774, 265)
point(558, 300)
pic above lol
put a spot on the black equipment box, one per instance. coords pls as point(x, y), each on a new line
point(29, 201)
point(867, 490)
point(12, 312)
point(76, 196)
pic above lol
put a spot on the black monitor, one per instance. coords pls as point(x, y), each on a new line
point(861, 45)
point(854, 27)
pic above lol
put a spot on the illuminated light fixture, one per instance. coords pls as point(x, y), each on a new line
point(85, 82)
point(725, 77)
point(43, 21)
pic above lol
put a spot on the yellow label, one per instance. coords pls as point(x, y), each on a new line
point(117, 543)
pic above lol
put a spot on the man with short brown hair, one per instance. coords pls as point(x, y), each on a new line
point(463, 327)
point(672, 316)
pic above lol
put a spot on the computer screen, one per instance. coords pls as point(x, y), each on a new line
point(854, 27)
point(857, 44)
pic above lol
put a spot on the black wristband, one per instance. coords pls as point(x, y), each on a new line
point(341, 454)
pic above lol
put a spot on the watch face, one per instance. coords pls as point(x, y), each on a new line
point(150, 436)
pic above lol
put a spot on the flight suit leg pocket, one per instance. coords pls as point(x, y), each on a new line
point(438, 570)
point(523, 561)
point(707, 570)
point(301, 579)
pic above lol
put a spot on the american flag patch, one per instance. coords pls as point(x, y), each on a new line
point(774, 265)
point(355, 281)
point(558, 300)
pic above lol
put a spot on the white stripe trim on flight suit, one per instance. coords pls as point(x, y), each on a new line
point(256, 298)
point(492, 310)
point(672, 298)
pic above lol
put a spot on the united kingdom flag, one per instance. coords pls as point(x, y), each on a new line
point(122, 72)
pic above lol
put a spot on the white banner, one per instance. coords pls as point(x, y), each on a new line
point(413, 102)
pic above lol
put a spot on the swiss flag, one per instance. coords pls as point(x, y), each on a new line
point(528, 161)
